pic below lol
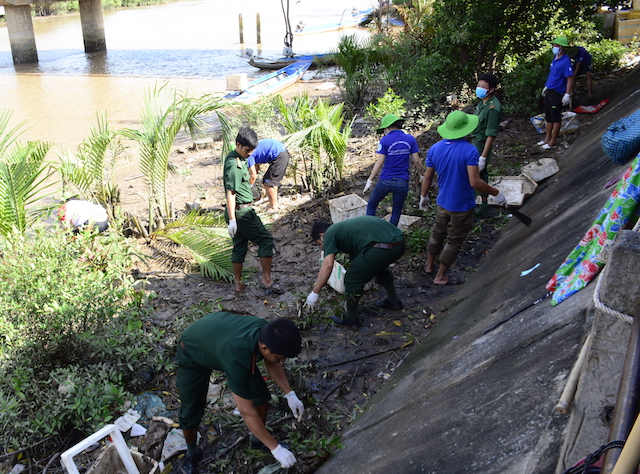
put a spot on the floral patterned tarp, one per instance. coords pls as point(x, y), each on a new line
point(584, 262)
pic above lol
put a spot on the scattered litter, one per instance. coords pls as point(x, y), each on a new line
point(515, 189)
point(526, 272)
point(174, 443)
point(137, 430)
point(149, 405)
point(383, 375)
point(213, 394)
point(236, 412)
point(397, 322)
point(541, 169)
point(406, 222)
point(126, 421)
point(18, 468)
point(165, 420)
point(569, 122)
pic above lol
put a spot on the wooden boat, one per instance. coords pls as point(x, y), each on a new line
point(317, 60)
point(271, 83)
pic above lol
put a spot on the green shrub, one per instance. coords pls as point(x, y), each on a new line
point(70, 332)
point(389, 103)
point(606, 55)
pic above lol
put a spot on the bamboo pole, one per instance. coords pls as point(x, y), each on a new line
point(258, 28)
point(630, 455)
point(572, 381)
point(241, 26)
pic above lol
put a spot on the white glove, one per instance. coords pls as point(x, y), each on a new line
point(482, 162)
point(424, 203)
point(544, 91)
point(501, 199)
point(233, 228)
point(284, 456)
point(367, 186)
point(297, 408)
point(566, 99)
point(312, 299)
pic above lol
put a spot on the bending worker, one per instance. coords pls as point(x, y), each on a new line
point(372, 244)
point(79, 214)
point(234, 344)
point(272, 152)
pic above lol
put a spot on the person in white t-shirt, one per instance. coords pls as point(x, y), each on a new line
point(78, 213)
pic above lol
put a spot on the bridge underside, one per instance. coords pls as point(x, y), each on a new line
point(22, 37)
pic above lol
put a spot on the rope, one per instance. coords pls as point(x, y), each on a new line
point(604, 308)
point(593, 457)
point(288, 37)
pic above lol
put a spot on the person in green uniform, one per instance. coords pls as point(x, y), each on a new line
point(234, 344)
point(488, 111)
point(372, 244)
point(244, 225)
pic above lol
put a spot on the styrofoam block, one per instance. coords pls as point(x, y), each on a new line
point(405, 222)
point(541, 169)
point(346, 207)
point(237, 82)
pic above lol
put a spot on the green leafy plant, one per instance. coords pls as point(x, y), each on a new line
point(389, 103)
point(92, 170)
point(165, 113)
point(319, 130)
point(207, 239)
point(23, 177)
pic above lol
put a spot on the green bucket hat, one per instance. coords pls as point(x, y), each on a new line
point(458, 125)
point(389, 120)
point(562, 41)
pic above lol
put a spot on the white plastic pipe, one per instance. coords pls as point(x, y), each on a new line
point(118, 441)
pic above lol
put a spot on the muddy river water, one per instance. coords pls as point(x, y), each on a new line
point(191, 45)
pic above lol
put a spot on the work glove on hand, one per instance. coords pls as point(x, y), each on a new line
point(297, 408)
point(367, 186)
point(566, 99)
point(501, 199)
point(284, 456)
point(424, 203)
point(544, 91)
point(312, 299)
point(482, 162)
point(233, 228)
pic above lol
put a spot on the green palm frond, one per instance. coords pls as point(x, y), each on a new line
point(23, 178)
point(92, 170)
point(164, 114)
point(318, 127)
point(206, 238)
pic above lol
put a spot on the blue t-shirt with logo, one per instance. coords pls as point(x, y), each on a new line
point(397, 148)
point(450, 159)
point(266, 151)
point(559, 71)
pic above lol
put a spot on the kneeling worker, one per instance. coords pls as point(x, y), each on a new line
point(372, 244)
point(234, 344)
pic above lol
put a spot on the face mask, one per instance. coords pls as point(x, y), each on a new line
point(481, 93)
point(555, 50)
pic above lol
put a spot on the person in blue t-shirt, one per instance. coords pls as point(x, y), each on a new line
point(455, 160)
point(272, 152)
point(557, 91)
point(394, 153)
point(581, 61)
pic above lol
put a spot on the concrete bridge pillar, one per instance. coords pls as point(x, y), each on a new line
point(92, 26)
point(21, 35)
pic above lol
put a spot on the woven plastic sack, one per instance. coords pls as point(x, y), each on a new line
point(621, 141)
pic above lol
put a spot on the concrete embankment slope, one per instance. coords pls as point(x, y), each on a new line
point(478, 394)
